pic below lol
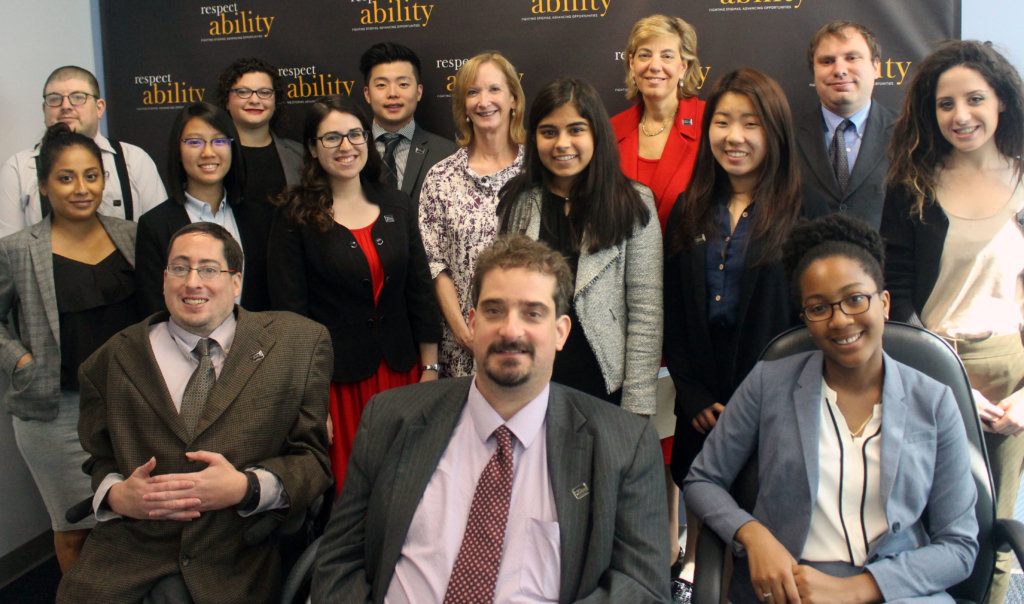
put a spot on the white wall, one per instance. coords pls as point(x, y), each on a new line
point(35, 37)
point(998, 21)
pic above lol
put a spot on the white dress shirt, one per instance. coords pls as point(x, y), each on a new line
point(531, 558)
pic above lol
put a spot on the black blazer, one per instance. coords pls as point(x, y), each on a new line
point(426, 149)
point(866, 190)
point(765, 310)
point(325, 276)
point(158, 225)
point(913, 250)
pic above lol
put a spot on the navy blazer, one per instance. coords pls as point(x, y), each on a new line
point(927, 488)
point(158, 225)
point(325, 276)
point(865, 192)
point(765, 310)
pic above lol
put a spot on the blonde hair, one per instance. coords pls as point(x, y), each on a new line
point(660, 25)
point(466, 76)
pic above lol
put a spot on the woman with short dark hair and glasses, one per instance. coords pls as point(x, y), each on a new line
point(347, 253)
point(205, 178)
point(252, 92)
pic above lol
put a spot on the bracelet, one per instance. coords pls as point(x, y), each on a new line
point(252, 494)
point(431, 367)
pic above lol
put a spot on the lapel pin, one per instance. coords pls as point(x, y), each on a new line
point(389, 218)
point(421, 150)
point(257, 356)
point(581, 490)
point(700, 238)
point(687, 121)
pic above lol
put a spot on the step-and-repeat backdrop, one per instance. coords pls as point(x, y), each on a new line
point(159, 56)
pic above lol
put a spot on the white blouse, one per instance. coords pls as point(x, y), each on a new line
point(848, 513)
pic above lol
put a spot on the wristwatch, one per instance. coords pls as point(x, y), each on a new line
point(431, 367)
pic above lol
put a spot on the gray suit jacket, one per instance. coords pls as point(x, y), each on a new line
point(865, 193)
point(618, 300)
point(28, 310)
point(426, 150)
point(927, 489)
point(291, 154)
point(613, 546)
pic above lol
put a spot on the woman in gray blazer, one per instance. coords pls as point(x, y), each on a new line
point(865, 488)
point(573, 196)
point(66, 286)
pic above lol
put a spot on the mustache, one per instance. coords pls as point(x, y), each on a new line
point(514, 346)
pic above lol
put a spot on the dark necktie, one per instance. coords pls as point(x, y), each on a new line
point(475, 573)
point(840, 163)
point(199, 386)
point(391, 141)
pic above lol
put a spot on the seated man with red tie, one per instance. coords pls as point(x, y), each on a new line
point(198, 422)
point(500, 486)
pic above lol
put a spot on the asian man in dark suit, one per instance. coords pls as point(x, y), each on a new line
point(845, 59)
point(393, 89)
point(199, 423)
point(582, 511)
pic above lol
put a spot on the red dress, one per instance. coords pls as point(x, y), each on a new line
point(349, 398)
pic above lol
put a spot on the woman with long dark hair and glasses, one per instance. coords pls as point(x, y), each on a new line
point(346, 252)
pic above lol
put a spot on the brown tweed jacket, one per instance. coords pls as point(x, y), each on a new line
point(267, 409)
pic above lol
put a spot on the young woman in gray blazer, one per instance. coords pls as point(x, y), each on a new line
point(66, 286)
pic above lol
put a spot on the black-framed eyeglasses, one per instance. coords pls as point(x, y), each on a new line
point(194, 142)
point(331, 140)
point(244, 93)
point(854, 304)
point(181, 271)
point(56, 99)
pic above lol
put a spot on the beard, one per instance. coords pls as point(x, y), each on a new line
point(508, 373)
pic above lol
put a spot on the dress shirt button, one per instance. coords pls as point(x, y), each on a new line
point(895, 527)
point(718, 298)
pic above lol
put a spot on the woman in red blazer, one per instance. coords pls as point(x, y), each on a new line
point(658, 136)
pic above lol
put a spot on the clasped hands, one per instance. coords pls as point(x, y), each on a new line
point(181, 497)
point(777, 578)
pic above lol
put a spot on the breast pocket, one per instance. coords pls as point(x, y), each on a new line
point(540, 575)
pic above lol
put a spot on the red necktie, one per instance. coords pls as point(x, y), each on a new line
point(476, 567)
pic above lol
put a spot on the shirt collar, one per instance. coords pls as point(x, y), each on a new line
point(407, 130)
point(223, 335)
point(832, 120)
point(526, 424)
point(200, 206)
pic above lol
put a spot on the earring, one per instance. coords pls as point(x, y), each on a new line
point(468, 120)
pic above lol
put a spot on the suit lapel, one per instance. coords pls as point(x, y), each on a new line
point(41, 251)
point(698, 280)
point(248, 350)
point(423, 443)
point(141, 369)
point(122, 238)
point(872, 149)
point(894, 421)
point(811, 137)
point(570, 459)
point(749, 280)
point(592, 265)
point(807, 408)
point(414, 162)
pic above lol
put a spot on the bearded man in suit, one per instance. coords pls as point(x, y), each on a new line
point(198, 422)
point(501, 485)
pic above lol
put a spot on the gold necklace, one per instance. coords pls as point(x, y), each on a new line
point(646, 133)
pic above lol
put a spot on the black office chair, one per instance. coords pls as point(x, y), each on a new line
point(930, 354)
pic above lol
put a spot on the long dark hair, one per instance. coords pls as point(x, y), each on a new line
point(217, 118)
point(604, 207)
point(777, 193)
point(311, 200)
point(917, 148)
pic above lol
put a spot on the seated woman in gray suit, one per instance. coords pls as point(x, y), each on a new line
point(67, 284)
point(865, 492)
